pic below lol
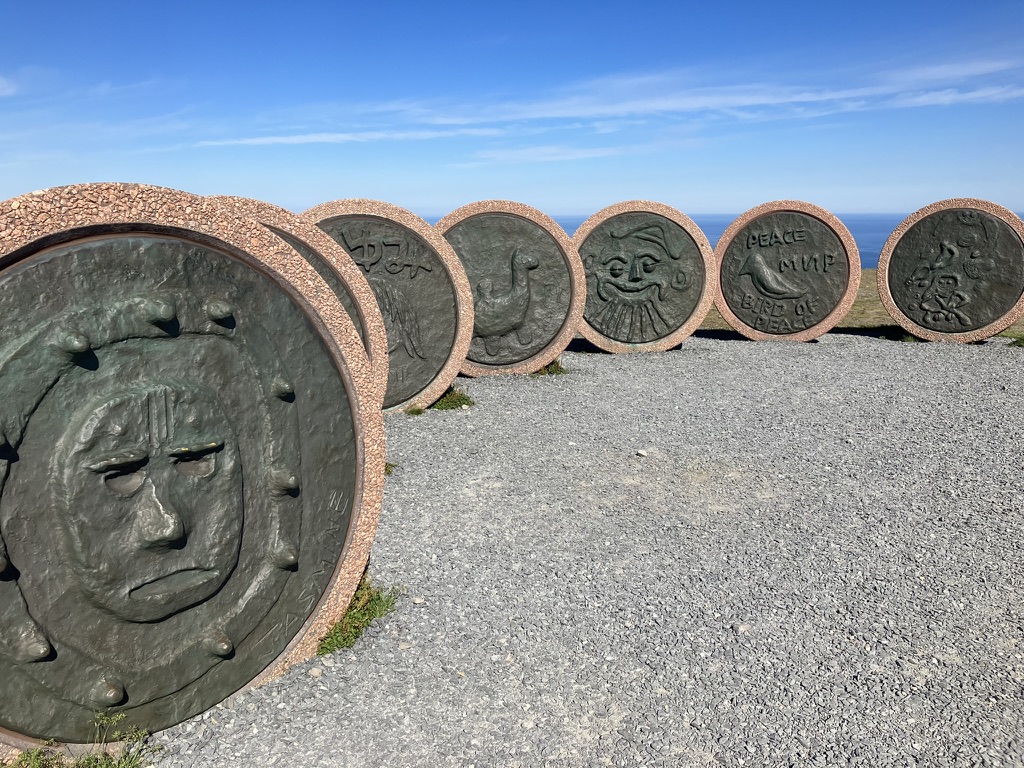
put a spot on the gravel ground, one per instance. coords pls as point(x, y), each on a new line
point(732, 554)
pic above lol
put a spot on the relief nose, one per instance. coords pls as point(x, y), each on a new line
point(157, 524)
point(634, 271)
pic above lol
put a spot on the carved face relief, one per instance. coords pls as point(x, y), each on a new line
point(150, 499)
point(641, 267)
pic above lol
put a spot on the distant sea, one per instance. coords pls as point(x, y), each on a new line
point(869, 230)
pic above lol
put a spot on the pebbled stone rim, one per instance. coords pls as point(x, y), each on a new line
point(577, 281)
point(827, 218)
point(376, 346)
point(882, 276)
point(456, 274)
point(46, 214)
point(708, 293)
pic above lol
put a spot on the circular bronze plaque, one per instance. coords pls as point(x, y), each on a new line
point(421, 290)
point(181, 462)
point(648, 267)
point(528, 285)
point(955, 271)
point(788, 270)
point(347, 283)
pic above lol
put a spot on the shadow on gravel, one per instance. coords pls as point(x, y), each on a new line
point(886, 332)
point(579, 344)
point(719, 334)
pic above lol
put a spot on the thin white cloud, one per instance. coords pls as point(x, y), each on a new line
point(950, 96)
point(7, 88)
point(349, 137)
point(647, 102)
point(547, 154)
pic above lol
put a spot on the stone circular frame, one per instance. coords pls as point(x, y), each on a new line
point(500, 243)
point(425, 355)
point(954, 271)
point(161, 311)
point(657, 253)
point(336, 268)
point(781, 268)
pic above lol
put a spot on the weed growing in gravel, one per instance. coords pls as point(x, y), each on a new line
point(452, 400)
point(134, 751)
point(554, 368)
point(389, 467)
point(413, 410)
point(368, 603)
point(1017, 342)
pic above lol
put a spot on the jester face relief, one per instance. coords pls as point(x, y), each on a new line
point(634, 271)
point(150, 499)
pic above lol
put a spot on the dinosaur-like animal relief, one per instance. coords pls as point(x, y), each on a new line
point(498, 315)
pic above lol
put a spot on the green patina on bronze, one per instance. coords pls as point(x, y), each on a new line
point(645, 277)
point(957, 270)
point(338, 288)
point(522, 288)
point(415, 294)
point(177, 475)
point(784, 272)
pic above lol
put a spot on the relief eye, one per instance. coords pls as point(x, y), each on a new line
point(649, 266)
point(196, 464)
point(616, 270)
point(126, 479)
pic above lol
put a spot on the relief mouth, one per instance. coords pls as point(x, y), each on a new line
point(172, 583)
point(623, 286)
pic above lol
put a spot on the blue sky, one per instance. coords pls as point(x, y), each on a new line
point(712, 108)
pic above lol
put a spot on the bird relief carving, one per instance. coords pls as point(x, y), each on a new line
point(500, 315)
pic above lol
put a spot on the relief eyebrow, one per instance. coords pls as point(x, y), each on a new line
point(197, 448)
point(116, 460)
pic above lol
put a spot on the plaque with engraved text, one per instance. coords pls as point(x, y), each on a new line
point(650, 277)
point(181, 458)
point(420, 287)
point(527, 280)
point(954, 271)
point(788, 270)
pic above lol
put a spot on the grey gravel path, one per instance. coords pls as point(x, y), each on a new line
point(732, 554)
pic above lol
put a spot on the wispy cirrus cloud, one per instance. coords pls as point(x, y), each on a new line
point(548, 153)
point(635, 105)
point(350, 136)
point(7, 87)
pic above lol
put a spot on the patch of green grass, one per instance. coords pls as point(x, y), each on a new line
point(1018, 341)
point(452, 400)
point(389, 467)
point(554, 368)
point(909, 337)
point(134, 751)
point(368, 603)
point(413, 410)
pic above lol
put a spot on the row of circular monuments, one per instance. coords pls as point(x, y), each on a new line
point(498, 287)
point(191, 435)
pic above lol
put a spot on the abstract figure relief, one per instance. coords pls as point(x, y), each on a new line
point(955, 270)
point(501, 314)
point(960, 254)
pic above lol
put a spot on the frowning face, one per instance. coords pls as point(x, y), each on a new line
point(151, 487)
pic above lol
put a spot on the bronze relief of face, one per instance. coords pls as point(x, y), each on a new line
point(149, 499)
